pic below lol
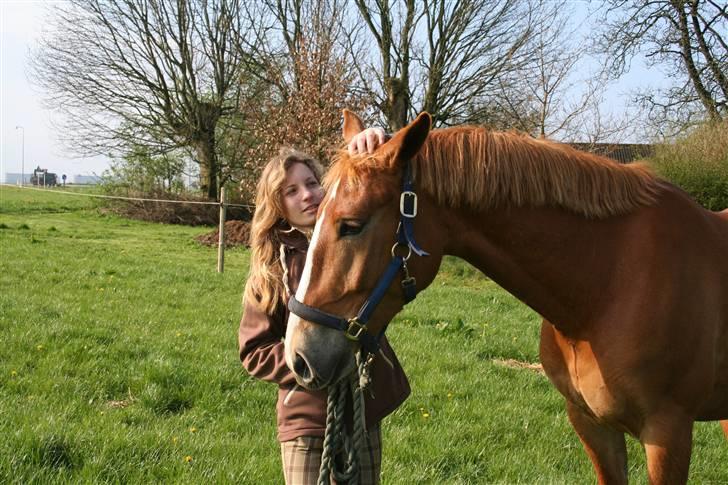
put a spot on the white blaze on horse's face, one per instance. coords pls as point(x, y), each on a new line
point(295, 335)
point(306, 276)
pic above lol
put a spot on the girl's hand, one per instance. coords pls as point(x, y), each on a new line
point(367, 141)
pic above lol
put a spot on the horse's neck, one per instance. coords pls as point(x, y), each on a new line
point(548, 258)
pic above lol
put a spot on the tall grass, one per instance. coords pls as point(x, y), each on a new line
point(118, 364)
point(699, 164)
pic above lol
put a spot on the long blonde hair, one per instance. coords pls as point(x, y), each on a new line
point(265, 286)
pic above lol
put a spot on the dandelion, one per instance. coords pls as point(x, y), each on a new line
point(179, 334)
point(40, 347)
point(188, 459)
point(449, 395)
point(193, 429)
point(13, 373)
point(425, 415)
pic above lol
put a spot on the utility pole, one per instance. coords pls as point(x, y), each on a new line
point(22, 169)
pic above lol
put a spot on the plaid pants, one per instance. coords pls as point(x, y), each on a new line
point(302, 459)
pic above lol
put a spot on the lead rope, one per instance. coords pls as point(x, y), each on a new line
point(337, 441)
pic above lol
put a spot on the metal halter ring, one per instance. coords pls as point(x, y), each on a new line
point(394, 251)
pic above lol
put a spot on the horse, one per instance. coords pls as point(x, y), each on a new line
point(628, 272)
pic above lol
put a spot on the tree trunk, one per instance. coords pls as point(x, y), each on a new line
point(397, 103)
point(204, 142)
point(720, 76)
point(205, 151)
point(687, 55)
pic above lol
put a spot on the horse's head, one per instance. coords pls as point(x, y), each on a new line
point(351, 248)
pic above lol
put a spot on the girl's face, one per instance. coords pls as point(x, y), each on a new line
point(301, 196)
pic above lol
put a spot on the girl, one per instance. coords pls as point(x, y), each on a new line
point(288, 195)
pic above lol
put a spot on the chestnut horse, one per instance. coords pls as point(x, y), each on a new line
point(630, 275)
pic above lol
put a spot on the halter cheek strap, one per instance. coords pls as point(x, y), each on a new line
point(355, 328)
point(407, 213)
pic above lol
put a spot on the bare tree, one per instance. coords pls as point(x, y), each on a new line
point(553, 79)
point(152, 72)
point(450, 58)
point(472, 48)
point(686, 38)
point(395, 54)
point(563, 94)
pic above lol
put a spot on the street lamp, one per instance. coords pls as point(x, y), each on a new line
point(22, 167)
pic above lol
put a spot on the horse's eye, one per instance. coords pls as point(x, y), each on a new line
point(350, 228)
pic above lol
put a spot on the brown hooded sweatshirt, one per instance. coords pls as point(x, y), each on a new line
point(302, 412)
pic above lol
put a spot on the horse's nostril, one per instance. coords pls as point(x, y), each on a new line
point(300, 367)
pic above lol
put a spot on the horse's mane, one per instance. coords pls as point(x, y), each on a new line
point(478, 168)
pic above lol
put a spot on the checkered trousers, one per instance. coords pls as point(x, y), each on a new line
point(302, 459)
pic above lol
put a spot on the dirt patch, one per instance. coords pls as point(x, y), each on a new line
point(237, 233)
point(517, 364)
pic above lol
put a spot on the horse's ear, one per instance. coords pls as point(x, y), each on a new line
point(353, 125)
point(405, 144)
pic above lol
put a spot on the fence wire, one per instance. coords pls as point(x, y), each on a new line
point(140, 199)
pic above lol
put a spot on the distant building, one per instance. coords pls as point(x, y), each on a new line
point(621, 152)
point(86, 179)
point(14, 178)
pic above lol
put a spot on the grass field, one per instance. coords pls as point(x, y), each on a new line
point(118, 363)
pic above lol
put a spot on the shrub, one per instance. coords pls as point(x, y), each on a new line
point(698, 163)
point(139, 170)
point(192, 214)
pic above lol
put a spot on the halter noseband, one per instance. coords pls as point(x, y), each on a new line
point(356, 328)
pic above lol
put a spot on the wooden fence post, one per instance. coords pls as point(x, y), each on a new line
point(221, 240)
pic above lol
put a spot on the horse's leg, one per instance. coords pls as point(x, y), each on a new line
point(724, 424)
point(605, 446)
point(668, 441)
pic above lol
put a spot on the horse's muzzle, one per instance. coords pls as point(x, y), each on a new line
point(308, 376)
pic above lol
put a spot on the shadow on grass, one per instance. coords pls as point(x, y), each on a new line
point(54, 452)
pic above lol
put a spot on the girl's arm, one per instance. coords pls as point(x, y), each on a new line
point(261, 346)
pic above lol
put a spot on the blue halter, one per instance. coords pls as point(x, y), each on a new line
point(356, 328)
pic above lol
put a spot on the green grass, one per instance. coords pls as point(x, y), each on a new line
point(118, 361)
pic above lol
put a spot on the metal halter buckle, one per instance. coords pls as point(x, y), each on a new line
point(408, 204)
point(357, 327)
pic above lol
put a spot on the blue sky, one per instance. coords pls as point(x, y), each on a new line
point(20, 26)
